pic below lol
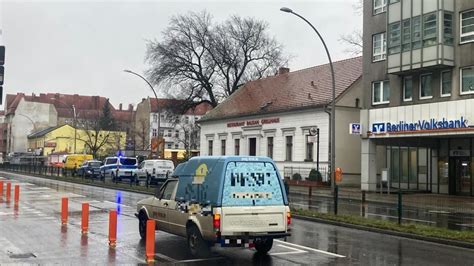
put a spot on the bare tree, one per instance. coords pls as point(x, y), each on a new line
point(354, 39)
point(141, 134)
point(95, 139)
point(206, 62)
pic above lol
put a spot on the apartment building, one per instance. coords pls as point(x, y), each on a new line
point(418, 79)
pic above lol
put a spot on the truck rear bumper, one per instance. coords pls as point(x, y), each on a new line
point(247, 240)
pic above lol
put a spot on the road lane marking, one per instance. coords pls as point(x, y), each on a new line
point(395, 217)
point(198, 260)
point(312, 249)
point(295, 251)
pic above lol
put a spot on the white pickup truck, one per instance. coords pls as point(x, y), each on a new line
point(226, 201)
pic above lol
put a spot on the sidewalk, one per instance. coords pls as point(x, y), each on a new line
point(434, 202)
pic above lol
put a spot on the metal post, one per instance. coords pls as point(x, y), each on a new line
point(333, 102)
point(317, 150)
point(336, 195)
point(399, 207)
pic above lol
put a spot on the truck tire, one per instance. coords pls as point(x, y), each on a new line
point(264, 245)
point(196, 244)
point(142, 219)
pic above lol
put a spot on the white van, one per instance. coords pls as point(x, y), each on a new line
point(154, 171)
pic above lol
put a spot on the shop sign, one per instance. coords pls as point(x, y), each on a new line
point(255, 122)
point(421, 125)
point(50, 144)
point(355, 128)
point(459, 153)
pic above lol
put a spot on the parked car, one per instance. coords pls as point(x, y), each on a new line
point(74, 161)
point(230, 201)
point(154, 171)
point(90, 169)
point(119, 168)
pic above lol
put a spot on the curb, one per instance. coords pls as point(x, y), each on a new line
point(98, 184)
point(442, 241)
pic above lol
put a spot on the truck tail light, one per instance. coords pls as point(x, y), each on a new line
point(288, 218)
point(217, 222)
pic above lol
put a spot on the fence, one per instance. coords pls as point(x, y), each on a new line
point(452, 212)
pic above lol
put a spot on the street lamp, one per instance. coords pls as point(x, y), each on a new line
point(74, 121)
point(157, 105)
point(333, 104)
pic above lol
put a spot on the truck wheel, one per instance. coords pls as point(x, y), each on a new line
point(142, 225)
point(264, 245)
point(196, 244)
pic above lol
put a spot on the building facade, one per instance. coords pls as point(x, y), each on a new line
point(419, 88)
point(177, 126)
point(286, 118)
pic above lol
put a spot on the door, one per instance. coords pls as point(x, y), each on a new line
point(460, 176)
point(162, 203)
point(252, 146)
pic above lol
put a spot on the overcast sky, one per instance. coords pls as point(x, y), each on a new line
point(82, 47)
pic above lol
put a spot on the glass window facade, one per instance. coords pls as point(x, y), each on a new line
point(380, 6)
point(416, 32)
point(406, 35)
point(446, 83)
point(429, 29)
point(394, 38)
point(467, 80)
point(379, 47)
point(426, 86)
point(467, 26)
point(407, 88)
point(448, 28)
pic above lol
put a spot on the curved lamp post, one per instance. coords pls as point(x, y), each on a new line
point(74, 121)
point(156, 97)
point(333, 103)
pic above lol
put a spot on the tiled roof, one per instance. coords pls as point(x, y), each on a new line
point(294, 90)
point(43, 132)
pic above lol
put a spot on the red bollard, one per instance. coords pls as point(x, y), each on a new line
point(17, 194)
point(150, 241)
point(1, 189)
point(112, 228)
point(85, 217)
point(9, 191)
point(64, 210)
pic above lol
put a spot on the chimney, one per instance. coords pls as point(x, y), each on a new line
point(283, 70)
point(120, 107)
point(130, 107)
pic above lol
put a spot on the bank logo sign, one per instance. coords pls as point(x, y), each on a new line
point(421, 125)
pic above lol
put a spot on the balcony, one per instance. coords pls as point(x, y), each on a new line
point(420, 35)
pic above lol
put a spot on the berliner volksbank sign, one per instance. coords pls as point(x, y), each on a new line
point(420, 125)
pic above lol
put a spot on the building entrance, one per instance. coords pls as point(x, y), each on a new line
point(460, 176)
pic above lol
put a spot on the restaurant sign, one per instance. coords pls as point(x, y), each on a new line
point(255, 122)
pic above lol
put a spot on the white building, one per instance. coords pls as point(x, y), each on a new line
point(273, 117)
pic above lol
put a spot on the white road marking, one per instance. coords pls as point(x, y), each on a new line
point(197, 260)
point(295, 251)
point(162, 256)
point(312, 249)
point(395, 217)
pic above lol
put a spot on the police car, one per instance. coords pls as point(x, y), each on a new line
point(119, 168)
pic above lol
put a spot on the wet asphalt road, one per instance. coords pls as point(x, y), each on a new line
point(31, 233)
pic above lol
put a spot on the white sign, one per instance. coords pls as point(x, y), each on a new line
point(355, 128)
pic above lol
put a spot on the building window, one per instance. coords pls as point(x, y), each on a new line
point(394, 38)
point(176, 146)
point(155, 118)
point(467, 26)
point(169, 133)
point(467, 80)
point(236, 146)
point(154, 132)
point(222, 146)
point(380, 6)
point(186, 119)
point(406, 35)
point(270, 147)
point(407, 88)
point(379, 45)
point(446, 83)
point(168, 145)
point(309, 148)
point(209, 148)
point(429, 29)
point(289, 148)
point(416, 32)
point(162, 131)
point(176, 133)
point(448, 28)
point(425, 86)
point(380, 92)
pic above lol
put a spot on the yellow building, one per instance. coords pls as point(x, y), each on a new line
point(62, 138)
